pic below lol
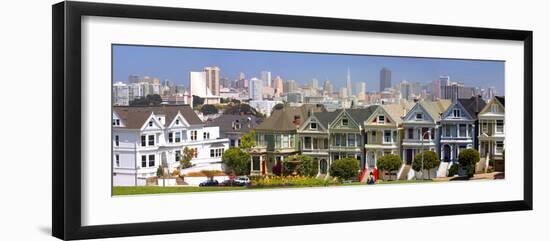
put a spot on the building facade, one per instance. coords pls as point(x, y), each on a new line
point(145, 138)
point(492, 131)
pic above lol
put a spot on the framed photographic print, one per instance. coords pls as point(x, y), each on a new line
point(170, 120)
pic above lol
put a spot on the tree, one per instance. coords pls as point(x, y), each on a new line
point(154, 99)
point(160, 171)
point(248, 140)
point(345, 168)
point(390, 163)
point(237, 160)
point(427, 159)
point(468, 159)
point(209, 110)
point(197, 100)
point(188, 154)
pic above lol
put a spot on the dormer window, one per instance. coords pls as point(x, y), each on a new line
point(381, 119)
point(456, 113)
point(116, 122)
point(236, 125)
point(345, 122)
point(313, 126)
point(494, 108)
point(150, 123)
point(419, 116)
point(177, 122)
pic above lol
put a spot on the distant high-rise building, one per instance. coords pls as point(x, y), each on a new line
point(213, 79)
point(294, 97)
point(314, 84)
point(327, 87)
point(291, 86)
point(242, 76)
point(456, 91)
point(436, 92)
point(278, 85)
point(198, 85)
point(344, 92)
point(266, 78)
point(361, 87)
point(491, 92)
point(445, 80)
point(132, 79)
point(406, 89)
point(348, 85)
point(385, 79)
point(255, 89)
point(121, 94)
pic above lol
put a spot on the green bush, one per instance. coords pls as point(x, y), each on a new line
point(301, 164)
point(345, 168)
point(428, 160)
point(237, 160)
point(453, 170)
point(389, 163)
point(468, 159)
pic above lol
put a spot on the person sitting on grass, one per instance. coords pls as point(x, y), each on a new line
point(371, 179)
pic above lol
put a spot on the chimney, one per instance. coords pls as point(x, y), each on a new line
point(297, 120)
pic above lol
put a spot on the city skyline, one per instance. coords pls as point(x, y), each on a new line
point(175, 63)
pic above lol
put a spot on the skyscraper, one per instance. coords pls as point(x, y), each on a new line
point(213, 79)
point(266, 78)
point(255, 89)
point(314, 84)
point(278, 85)
point(198, 85)
point(385, 79)
point(406, 89)
point(436, 89)
point(327, 87)
point(445, 80)
point(348, 85)
point(361, 88)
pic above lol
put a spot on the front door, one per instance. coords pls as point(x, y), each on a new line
point(446, 153)
point(409, 156)
point(323, 166)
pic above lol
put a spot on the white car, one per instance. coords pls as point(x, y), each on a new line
point(243, 180)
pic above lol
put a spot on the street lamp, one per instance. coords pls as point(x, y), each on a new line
point(422, 152)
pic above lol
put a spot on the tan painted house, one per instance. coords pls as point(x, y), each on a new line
point(492, 131)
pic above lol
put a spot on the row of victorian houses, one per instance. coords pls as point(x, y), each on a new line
point(366, 134)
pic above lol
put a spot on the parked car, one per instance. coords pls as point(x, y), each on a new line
point(230, 183)
point(209, 183)
point(244, 180)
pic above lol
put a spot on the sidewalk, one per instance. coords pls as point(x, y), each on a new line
point(481, 176)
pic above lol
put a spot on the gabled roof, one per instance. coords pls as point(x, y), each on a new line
point(474, 105)
point(435, 108)
point(134, 117)
point(325, 118)
point(397, 111)
point(225, 122)
point(283, 119)
point(500, 99)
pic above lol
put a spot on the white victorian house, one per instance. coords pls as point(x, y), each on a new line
point(491, 132)
point(146, 137)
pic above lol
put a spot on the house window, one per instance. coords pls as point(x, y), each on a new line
point(425, 134)
point(151, 160)
point(307, 142)
point(351, 140)
point(178, 137)
point(337, 141)
point(150, 123)
point(232, 142)
point(345, 122)
point(315, 143)
point(419, 116)
point(170, 137)
point(373, 136)
point(216, 152)
point(177, 122)
point(151, 139)
point(411, 133)
point(313, 126)
point(143, 161)
point(206, 135)
point(447, 131)
point(178, 156)
point(484, 128)
point(456, 113)
point(381, 119)
point(143, 140)
point(387, 136)
point(236, 125)
point(193, 135)
point(494, 108)
point(286, 140)
point(462, 130)
point(499, 147)
point(116, 140)
point(500, 126)
point(211, 152)
point(117, 160)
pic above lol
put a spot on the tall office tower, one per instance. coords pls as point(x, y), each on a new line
point(121, 94)
point(132, 79)
point(314, 84)
point(327, 87)
point(198, 85)
point(385, 79)
point(348, 85)
point(292, 86)
point(445, 80)
point(266, 78)
point(255, 89)
point(361, 88)
point(242, 76)
point(344, 92)
point(278, 85)
point(213, 79)
point(406, 91)
point(456, 91)
point(436, 92)
point(491, 92)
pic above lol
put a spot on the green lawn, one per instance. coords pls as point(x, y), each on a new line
point(117, 191)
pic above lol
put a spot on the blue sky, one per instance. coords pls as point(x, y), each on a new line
point(175, 63)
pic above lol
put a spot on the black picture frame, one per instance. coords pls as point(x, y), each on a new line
point(66, 75)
